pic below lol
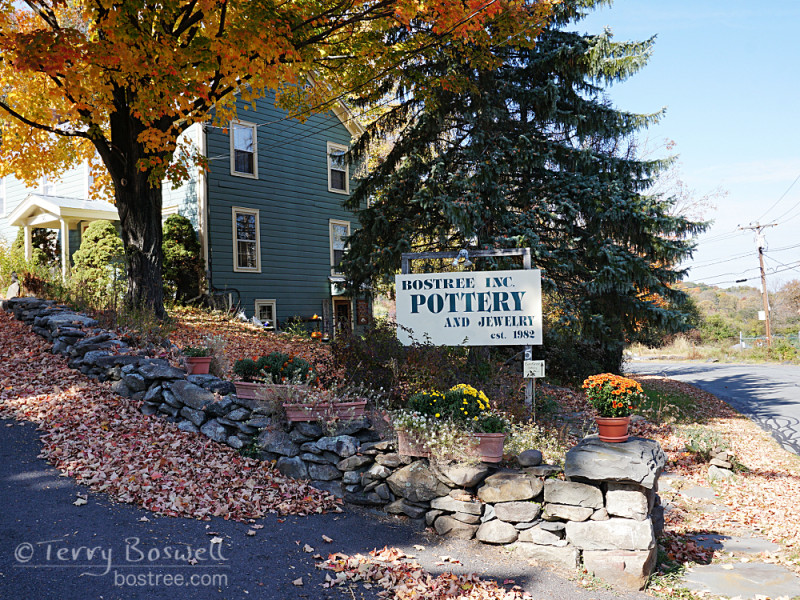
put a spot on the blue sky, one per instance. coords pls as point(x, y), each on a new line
point(728, 73)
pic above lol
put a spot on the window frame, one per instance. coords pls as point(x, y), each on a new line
point(334, 146)
point(267, 302)
point(234, 234)
point(331, 223)
point(243, 124)
point(3, 198)
point(44, 182)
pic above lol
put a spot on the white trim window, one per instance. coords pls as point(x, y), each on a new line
point(47, 186)
point(3, 195)
point(339, 232)
point(244, 149)
point(246, 240)
point(338, 171)
point(265, 311)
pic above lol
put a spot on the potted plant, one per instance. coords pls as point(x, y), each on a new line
point(270, 373)
point(451, 425)
point(198, 360)
point(314, 404)
point(614, 397)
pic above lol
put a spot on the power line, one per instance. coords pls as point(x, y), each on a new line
point(783, 195)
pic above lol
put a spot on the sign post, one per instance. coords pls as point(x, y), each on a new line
point(475, 308)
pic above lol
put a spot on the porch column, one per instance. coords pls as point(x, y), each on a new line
point(64, 249)
point(28, 242)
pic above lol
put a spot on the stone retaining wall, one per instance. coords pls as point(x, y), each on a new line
point(606, 514)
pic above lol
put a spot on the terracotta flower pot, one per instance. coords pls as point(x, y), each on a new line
point(197, 365)
point(613, 429)
point(312, 412)
point(490, 446)
point(258, 390)
point(409, 445)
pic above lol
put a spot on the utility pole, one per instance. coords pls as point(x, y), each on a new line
point(761, 242)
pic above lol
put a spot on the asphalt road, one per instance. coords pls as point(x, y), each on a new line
point(767, 393)
point(51, 548)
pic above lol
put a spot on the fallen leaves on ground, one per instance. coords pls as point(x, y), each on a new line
point(245, 340)
point(106, 443)
point(760, 501)
point(401, 577)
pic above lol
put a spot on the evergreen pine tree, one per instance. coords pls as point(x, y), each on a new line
point(529, 153)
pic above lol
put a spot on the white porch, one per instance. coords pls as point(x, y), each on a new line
point(61, 213)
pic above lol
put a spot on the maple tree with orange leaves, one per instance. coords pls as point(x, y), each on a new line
point(123, 79)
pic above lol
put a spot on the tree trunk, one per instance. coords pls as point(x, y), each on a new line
point(139, 207)
point(138, 204)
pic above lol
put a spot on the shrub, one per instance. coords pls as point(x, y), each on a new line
point(45, 243)
point(183, 265)
point(275, 367)
point(99, 265)
point(246, 368)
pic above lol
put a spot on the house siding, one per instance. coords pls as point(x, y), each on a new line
point(294, 204)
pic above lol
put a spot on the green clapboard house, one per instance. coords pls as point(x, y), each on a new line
point(270, 217)
point(268, 212)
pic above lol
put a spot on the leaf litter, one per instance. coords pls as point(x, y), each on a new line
point(104, 442)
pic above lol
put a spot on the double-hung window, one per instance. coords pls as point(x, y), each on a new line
point(339, 232)
point(338, 175)
point(246, 241)
point(244, 150)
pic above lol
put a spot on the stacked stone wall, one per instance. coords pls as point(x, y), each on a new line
point(605, 514)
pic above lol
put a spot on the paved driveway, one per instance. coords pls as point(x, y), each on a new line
point(768, 394)
point(52, 549)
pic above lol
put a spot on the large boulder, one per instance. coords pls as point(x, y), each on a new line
point(417, 483)
point(627, 500)
point(566, 512)
point(343, 445)
point(190, 394)
point(622, 568)
point(465, 476)
point(292, 466)
point(497, 532)
point(572, 494)
point(508, 486)
point(517, 512)
point(614, 534)
point(160, 369)
point(638, 460)
point(278, 442)
point(215, 430)
point(446, 525)
point(449, 504)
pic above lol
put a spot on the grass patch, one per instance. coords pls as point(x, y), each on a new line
point(668, 406)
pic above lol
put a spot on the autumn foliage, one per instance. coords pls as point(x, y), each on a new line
point(123, 79)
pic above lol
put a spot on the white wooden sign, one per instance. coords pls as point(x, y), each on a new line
point(532, 369)
point(478, 308)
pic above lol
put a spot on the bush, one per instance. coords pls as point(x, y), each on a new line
point(183, 266)
point(376, 358)
point(275, 367)
point(45, 243)
point(99, 264)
